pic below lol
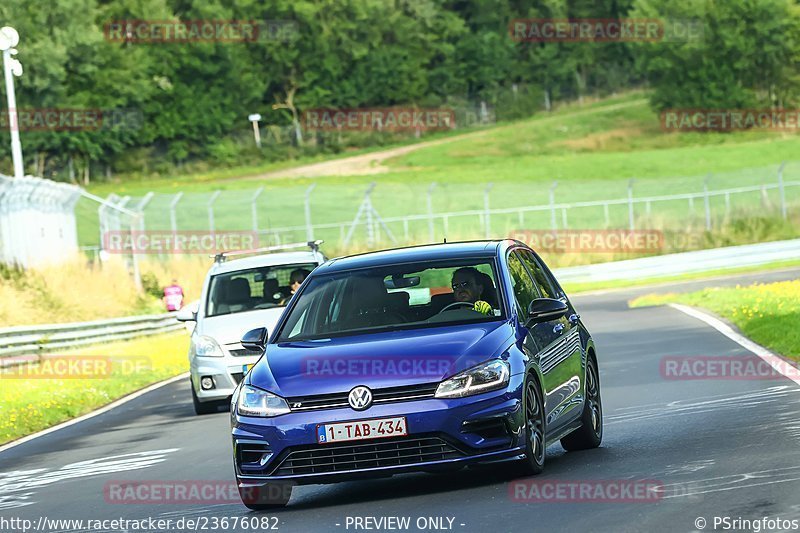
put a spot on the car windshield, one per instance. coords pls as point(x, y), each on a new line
point(405, 296)
point(254, 288)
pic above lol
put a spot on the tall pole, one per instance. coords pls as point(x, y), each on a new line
point(631, 222)
point(307, 207)
point(254, 209)
point(706, 202)
point(553, 224)
point(431, 234)
point(782, 190)
point(487, 219)
point(173, 220)
point(211, 211)
point(12, 67)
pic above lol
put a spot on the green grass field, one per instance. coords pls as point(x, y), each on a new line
point(28, 405)
point(766, 313)
point(592, 151)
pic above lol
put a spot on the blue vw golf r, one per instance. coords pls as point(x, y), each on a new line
point(425, 358)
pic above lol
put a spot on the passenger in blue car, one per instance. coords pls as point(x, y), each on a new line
point(469, 286)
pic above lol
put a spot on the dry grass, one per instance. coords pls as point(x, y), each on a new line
point(76, 291)
point(602, 140)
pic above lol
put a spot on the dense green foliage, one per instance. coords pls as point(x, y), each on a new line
point(192, 98)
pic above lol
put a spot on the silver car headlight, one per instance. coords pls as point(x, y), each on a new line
point(482, 378)
point(257, 402)
point(203, 346)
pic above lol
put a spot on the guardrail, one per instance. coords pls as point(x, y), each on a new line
point(35, 340)
point(746, 255)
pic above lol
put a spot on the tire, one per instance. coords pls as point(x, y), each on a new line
point(203, 408)
point(590, 434)
point(535, 428)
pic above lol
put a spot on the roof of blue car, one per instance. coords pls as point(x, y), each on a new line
point(430, 252)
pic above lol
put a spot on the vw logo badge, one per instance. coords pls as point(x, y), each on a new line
point(360, 398)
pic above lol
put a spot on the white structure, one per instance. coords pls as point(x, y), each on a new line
point(37, 221)
point(9, 38)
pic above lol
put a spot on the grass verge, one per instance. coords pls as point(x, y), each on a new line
point(77, 291)
point(766, 313)
point(28, 405)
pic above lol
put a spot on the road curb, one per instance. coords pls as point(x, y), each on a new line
point(106, 408)
point(764, 353)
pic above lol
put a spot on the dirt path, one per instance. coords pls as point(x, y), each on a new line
point(372, 163)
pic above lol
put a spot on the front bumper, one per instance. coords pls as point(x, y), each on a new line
point(226, 373)
point(442, 433)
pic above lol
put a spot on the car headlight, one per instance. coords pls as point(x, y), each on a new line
point(257, 402)
point(483, 378)
point(206, 347)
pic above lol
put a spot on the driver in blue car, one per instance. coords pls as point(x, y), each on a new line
point(468, 286)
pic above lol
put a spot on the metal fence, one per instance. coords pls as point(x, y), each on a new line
point(347, 216)
point(37, 220)
point(34, 340)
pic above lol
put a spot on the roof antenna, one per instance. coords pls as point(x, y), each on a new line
point(445, 240)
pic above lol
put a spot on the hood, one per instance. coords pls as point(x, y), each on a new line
point(378, 360)
point(228, 329)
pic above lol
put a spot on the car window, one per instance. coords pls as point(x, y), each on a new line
point(546, 288)
point(251, 289)
point(524, 290)
point(403, 296)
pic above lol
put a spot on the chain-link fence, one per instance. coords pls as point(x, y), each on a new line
point(362, 216)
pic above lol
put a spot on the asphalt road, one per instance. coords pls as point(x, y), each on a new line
point(714, 447)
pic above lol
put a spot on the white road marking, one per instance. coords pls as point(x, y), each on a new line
point(770, 357)
point(732, 482)
point(105, 409)
point(705, 404)
point(22, 481)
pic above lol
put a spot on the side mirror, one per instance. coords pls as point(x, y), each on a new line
point(186, 314)
point(544, 309)
point(255, 339)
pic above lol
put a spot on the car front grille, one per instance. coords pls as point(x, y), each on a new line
point(237, 377)
point(386, 395)
point(327, 458)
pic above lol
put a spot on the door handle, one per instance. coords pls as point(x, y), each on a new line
point(558, 328)
point(574, 318)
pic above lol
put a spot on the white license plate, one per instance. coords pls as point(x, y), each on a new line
point(362, 429)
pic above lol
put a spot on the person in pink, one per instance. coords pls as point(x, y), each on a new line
point(173, 296)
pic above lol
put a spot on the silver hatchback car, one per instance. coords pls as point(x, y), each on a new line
point(239, 295)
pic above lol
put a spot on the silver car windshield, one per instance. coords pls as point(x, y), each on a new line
point(255, 288)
